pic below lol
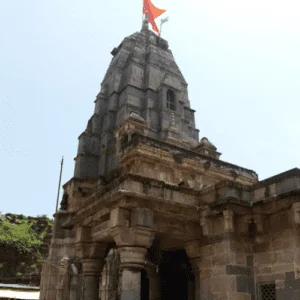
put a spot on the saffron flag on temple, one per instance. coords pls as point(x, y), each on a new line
point(152, 13)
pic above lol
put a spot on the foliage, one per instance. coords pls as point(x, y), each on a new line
point(20, 235)
point(21, 243)
point(23, 233)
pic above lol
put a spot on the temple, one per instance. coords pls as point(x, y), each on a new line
point(153, 213)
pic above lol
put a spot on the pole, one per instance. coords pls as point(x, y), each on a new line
point(162, 21)
point(61, 168)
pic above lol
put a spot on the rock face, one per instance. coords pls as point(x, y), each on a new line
point(152, 213)
point(24, 244)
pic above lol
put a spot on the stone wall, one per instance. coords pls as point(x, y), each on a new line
point(276, 256)
point(225, 268)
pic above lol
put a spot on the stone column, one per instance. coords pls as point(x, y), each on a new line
point(132, 262)
point(132, 243)
point(193, 252)
point(191, 290)
point(91, 269)
point(154, 290)
point(91, 255)
point(131, 284)
point(62, 287)
point(75, 288)
point(110, 276)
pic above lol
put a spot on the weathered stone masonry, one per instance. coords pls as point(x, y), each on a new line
point(152, 213)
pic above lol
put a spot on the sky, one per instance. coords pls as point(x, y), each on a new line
point(240, 58)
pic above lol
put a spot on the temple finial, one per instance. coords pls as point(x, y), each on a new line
point(145, 26)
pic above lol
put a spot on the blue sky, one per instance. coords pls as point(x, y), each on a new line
point(240, 58)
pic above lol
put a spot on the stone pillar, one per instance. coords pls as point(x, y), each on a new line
point(132, 262)
point(131, 284)
point(110, 276)
point(91, 255)
point(75, 288)
point(193, 252)
point(198, 288)
point(132, 243)
point(191, 290)
point(62, 287)
point(154, 290)
point(91, 269)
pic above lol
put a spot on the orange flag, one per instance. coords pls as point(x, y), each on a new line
point(152, 13)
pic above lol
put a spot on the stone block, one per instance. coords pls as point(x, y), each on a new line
point(223, 247)
point(219, 270)
point(271, 277)
point(238, 296)
point(238, 270)
point(142, 217)
point(193, 249)
point(262, 246)
point(83, 235)
point(223, 283)
point(284, 294)
point(249, 260)
point(281, 235)
point(237, 247)
point(280, 221)
point(240, 259)
point(264, 270)
point(118, 217)
point(265, 258)
point(138, 236)
point(205, 273)
point(218, 296)
point(245, 284)
point(285, 257)
point(290, 276)
point(204, 285)
point(282, 268)
point(220, 259)
point(208, 250)
point(206, 262)
point(206, 296)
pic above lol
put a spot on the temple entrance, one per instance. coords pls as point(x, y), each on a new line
point(175, 275)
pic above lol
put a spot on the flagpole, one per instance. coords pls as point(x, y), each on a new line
point(59, 182)
point(160, 30)
point(163, 21)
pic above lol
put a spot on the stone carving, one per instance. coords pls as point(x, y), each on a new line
point(296, 213)
point(228, 220)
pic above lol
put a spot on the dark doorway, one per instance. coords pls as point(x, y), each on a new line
point(175, 273)
point(144, 286)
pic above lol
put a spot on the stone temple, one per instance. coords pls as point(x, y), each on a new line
point(153, 214)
